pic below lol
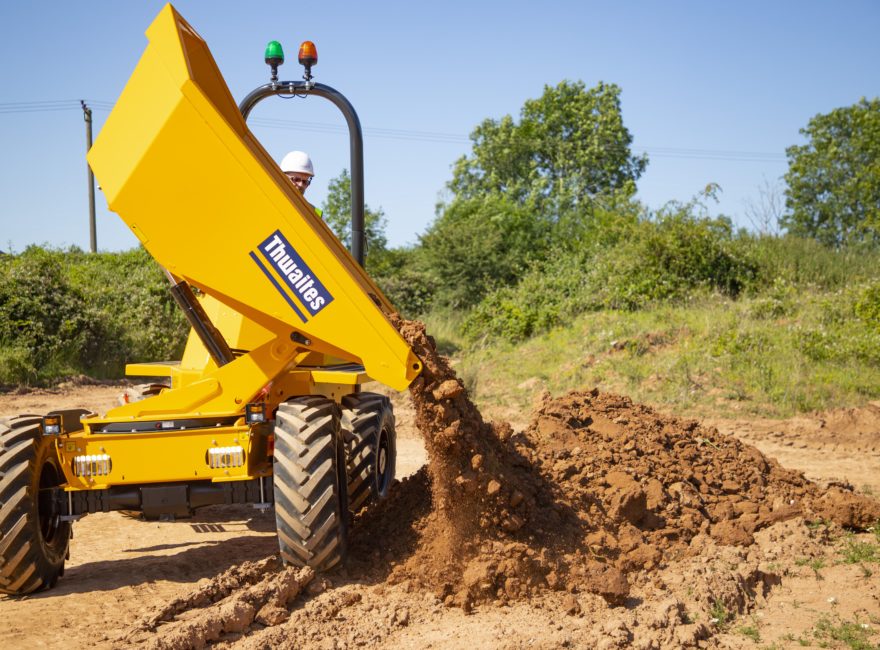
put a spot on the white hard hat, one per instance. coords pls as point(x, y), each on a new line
point(298, 161)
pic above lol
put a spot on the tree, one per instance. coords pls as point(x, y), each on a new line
point(569, 146)
point(833, 192)
point(475, 245)
point(541, 184)
point(337, 214)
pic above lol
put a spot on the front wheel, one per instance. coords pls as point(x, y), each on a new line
point(309, 483)
point(33, 539)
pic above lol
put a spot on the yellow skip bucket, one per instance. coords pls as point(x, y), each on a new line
point(178, 164)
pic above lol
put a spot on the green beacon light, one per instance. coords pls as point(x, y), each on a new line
point(274, 57)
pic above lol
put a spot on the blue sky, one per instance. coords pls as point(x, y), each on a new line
point(714, 92)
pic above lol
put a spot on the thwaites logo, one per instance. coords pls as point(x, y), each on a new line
point(278, 254)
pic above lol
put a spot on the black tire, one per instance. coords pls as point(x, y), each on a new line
point(33, 541)
point(309, 483)
point(371, 447)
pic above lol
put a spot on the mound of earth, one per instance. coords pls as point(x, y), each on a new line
point(596, 490)
point(595, 497)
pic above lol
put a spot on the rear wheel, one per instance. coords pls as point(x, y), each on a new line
point(309, 482)
point(33, 540)
point(371, 447)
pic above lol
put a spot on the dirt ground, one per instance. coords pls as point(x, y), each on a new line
point(753, 556)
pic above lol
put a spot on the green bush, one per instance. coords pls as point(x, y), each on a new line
point(543, 299)
point(131, 289)
point(45, 324)
point(867, 305)
point(671, 258)
point(476, 246)
point(67, 312)
point(397, 272)
point(410, 291)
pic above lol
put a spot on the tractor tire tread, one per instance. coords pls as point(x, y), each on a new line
point(25, 563)
point(363, 416)
point(310, 524)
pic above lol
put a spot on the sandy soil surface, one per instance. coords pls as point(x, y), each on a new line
point(600, 523)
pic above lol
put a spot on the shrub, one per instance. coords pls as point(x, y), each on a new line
point(476, 246)
point(44, 322)
point(867, 305)
point(543, 299)
point(410, 291)
point(67, 312)
point(674, 257)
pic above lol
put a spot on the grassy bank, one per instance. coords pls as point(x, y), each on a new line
point(784, 352)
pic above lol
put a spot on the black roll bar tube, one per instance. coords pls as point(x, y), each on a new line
point(356, 143)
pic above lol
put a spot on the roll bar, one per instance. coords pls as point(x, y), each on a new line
point(355, 137)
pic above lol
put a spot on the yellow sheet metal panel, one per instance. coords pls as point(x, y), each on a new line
point(151, 368)
point(177, 163)
point(133, 458)
point(221, 392)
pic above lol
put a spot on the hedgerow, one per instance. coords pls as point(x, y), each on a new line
point(65, 312)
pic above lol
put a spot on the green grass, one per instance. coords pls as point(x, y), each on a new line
point(445, 326)
point(720, 615)
point(816, 564)
point(853, 634)
point(717, 355)
point(750, 632)
point(856, 552)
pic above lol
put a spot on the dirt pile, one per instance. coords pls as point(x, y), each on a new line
point(596, 490)
point(645, 485)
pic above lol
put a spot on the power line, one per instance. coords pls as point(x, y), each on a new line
point(48, 102)
point(407, 134)
point(394, 134)
point(39, 107)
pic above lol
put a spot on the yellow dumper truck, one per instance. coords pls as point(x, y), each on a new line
point(265, 407)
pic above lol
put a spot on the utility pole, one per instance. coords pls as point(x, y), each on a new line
point(93, 235)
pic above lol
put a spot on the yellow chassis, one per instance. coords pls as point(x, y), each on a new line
point(179, 451)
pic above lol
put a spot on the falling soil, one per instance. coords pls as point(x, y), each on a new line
point(595, 497)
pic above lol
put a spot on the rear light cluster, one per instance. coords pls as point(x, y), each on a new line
point(255, 412)
point(52, 425)
point(92, 465)
point(223, 457)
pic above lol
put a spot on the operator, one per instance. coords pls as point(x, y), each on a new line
point(297, 165)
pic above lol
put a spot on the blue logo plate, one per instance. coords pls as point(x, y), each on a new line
point(278, 253)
